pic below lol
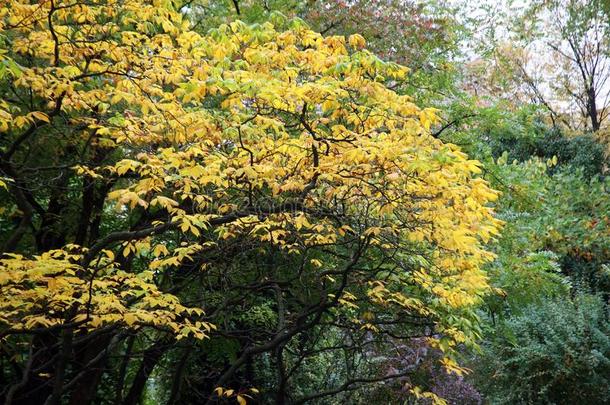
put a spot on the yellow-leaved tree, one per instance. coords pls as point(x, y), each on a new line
point(157, 179)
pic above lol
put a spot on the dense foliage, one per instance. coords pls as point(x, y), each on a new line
point(556, 352)
point(303, 202)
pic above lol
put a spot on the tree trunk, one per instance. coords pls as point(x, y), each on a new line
point(84, 391)
point(149, 360)
point(177, 383)
point(592, 109)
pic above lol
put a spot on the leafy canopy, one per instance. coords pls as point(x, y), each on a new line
point(268, 131)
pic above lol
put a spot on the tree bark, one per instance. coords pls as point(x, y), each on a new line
point(84, 390)
point(150, 359)
point(178, 374)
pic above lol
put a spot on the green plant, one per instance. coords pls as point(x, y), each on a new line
point(556, 352)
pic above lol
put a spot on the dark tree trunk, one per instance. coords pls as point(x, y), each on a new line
point(592, 109)
point(84, 391)
point(149, 360)
point(51, 234)
point(60, 369)
point(86, 211)
point(123, 371)
point(174, 395)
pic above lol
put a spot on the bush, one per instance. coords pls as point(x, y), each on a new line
point(579, 151)
point(556, 352)
point(522, 137)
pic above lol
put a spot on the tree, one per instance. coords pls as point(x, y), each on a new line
point(154, 173)
point(555, 54)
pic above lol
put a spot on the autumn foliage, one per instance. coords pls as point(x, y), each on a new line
point(137, 152)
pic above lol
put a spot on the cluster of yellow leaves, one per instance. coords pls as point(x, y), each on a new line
point(50, 290)
point(240, 397)
point(427, 396)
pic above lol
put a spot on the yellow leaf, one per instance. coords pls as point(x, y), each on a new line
point(109, 254)
point(41, 116)
point(160, 250)
point(130, 319)
point(357, 41)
